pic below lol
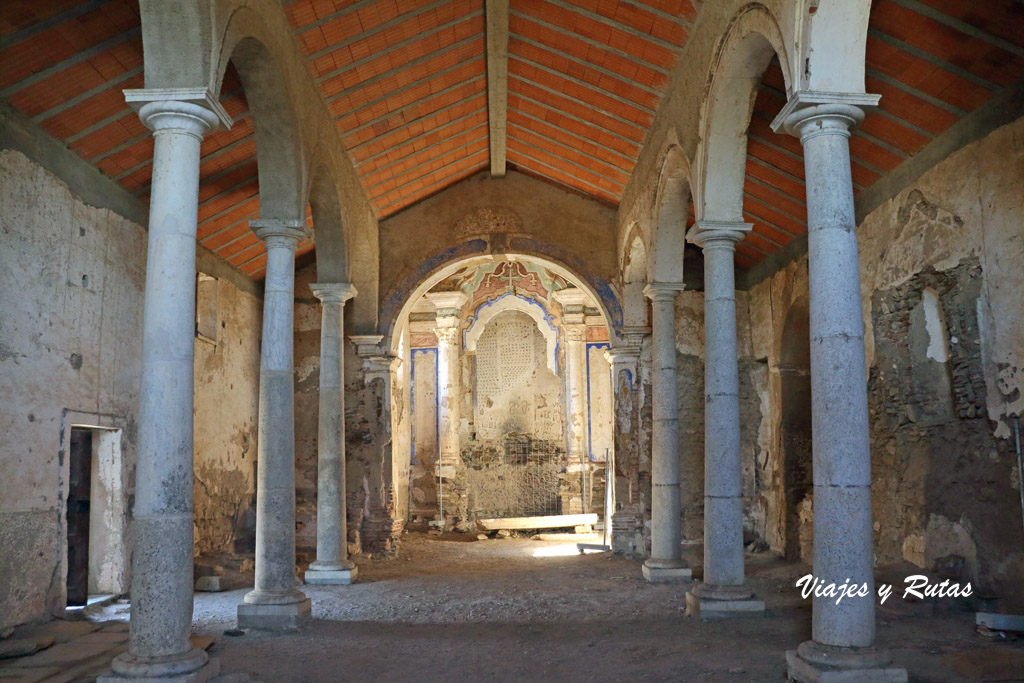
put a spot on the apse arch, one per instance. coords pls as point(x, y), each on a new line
point(744, 51)
point(399, 303)
point(671, 210)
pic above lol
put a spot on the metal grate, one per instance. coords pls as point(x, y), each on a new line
point(523, 478)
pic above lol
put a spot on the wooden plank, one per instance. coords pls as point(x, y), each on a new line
point(548, 522)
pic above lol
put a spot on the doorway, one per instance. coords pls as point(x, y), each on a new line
point(78, 517)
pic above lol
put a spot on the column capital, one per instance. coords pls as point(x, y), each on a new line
point(379, 367)
point(574, 330)
point(572, 299)
point(448, 333)
point(718, 233)
point(366, 344)
point(333, 292)
point(663, 291)
point(192, 110)
point(813, 112)
point(622, 354)
point(278, 232)
point(634, 336)
point(448, 304)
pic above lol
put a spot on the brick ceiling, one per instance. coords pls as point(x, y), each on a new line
point(406, 82)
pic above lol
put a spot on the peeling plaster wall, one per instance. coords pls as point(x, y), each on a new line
point(370, 473)
point(945, 485)
point(307, 406)
point(70, 351)
point(690, 392)
point(71, 302)
point(226, 412)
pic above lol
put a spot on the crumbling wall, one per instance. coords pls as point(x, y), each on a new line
point(942, 287)
point(307, 406)
point(71, 292)
point(227, 376)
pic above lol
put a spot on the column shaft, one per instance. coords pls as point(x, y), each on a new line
point(723, 510)
point(332, 564)
point(448, 375)
point(666, 551)
point(723, 592)
point(576, 386)
point(842, 635)
point(275, 602)
point(839, 408)
point(161, 612)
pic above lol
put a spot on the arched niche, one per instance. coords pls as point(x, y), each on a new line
point(488, 310)
point(744, 52)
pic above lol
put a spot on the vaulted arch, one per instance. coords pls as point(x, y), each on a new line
point(743, 54)
point(671, 208)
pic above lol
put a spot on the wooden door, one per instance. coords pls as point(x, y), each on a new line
point(79, 490)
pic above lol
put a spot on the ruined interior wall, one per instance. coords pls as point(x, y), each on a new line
point(226, 409)
point(515, 391)
point(71, 296)
point(422, 482)
point(307, 406)
point(690, 393)
point(945, 481)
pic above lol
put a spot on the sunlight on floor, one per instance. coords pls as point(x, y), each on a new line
point(561, 550)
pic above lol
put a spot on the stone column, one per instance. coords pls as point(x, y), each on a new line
point(574, 325)
point(449, 387)
point(665, 562)
point(626, 521)
point(843, 635)
point(161, 618)
point(332, 565)
point(275, 602)
point(723, 592)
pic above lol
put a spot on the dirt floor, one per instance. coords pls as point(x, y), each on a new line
point(518, 609)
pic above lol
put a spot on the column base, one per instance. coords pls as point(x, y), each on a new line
point(330, 577)
point(162, 670)
point(722, 602)
point(275, 617)
point(665, 571)
point(815, 663)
